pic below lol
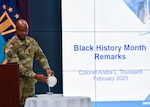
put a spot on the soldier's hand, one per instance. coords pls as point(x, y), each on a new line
point(41, 78)
point(49, 72)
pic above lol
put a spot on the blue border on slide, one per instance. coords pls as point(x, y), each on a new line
point(144, 103)
point(121, 104)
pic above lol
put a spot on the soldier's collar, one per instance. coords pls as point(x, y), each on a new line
point(21, 42)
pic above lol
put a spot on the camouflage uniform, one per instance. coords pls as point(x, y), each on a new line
point(23, 52)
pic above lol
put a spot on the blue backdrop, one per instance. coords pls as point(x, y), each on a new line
point(46, 29)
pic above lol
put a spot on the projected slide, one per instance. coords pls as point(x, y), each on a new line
point(106, 51)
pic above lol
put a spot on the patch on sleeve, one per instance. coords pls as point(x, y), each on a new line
point(7, 50)
point(8, 53)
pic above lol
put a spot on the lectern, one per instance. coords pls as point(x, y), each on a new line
point(9, 85)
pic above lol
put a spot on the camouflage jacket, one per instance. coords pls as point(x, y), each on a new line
point(23, 52)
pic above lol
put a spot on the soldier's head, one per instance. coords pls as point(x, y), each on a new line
point(22, 28)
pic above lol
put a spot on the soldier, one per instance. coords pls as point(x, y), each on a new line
point(23, 49)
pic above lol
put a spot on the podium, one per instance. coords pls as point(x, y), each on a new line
point(9, 85)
